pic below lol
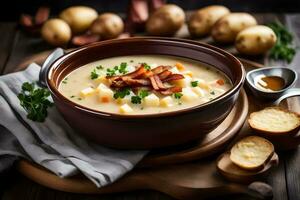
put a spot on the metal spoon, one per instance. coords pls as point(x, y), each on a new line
point(290, 77)
point(57, 53)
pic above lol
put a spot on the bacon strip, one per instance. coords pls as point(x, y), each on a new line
point(171, 90)
point(152, 79)
point(153, 83)
point(136, 82)
point(135, 74)
point(165, 74)
point(158, 82)
point(174, 77)
point(160, 69)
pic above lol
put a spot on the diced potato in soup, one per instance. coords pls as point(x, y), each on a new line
point(143, 84)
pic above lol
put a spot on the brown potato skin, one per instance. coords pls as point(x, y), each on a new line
point(255, 40)
point(56, 32)
point(79, 18)
point(108, 26)
point(226, 29)
point(202, 21)
point(165, 21)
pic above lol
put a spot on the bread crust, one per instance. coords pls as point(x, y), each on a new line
point(273, 133)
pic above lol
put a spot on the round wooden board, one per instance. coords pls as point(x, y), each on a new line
point(213, 143)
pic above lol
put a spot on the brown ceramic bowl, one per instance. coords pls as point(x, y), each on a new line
point(153, 130)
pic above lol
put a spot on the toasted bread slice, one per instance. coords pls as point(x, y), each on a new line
point(274, 120)
point(252, 153)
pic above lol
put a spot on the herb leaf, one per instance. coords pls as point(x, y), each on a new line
point(35, 101)
point(110, 72)
point(122, 68)
point(194, 83)
point(94, 74)
point(143, 93)
point(178, 95)
point(283, 48)
point(100, 67)
point(117, 69)
point(136, 100)
point(122, 93)
point(146, 66)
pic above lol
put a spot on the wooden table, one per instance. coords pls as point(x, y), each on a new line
point(15, 46)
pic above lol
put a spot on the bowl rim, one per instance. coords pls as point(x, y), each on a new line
point(56, 64)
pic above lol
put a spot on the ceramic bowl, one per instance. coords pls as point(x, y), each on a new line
point(151, 130)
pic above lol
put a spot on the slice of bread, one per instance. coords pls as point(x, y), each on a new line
point(252, 153)
point(274, 120)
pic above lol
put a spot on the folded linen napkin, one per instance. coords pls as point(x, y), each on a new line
point(52, 143)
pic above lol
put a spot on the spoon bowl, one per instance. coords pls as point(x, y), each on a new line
point(288, 75)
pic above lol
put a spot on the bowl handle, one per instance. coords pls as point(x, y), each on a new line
point(57, 53)
point(289, 93)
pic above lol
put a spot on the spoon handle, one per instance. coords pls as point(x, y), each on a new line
point(289, 93)
point(58, 52)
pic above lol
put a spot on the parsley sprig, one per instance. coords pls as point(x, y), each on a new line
point(122, 93)
point(177, 95)
point(137, 99)
point(194, 83)
point(95, 73)
point(122, 69)
point(283, 48)
point(35, 101)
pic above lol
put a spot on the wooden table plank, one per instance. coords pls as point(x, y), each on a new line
point(293, 159)
point(7, 34)
point(24, 45)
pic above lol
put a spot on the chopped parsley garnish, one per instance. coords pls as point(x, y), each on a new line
point(122, 93)
point(79, 99)
point(179, 103)
point(194, 83)
point(35, 101)
point(110, 72)
point(94, 74)
point(143, 93)
point(65, 80)
point(146, 66)
point(131, 61)
point(213, 93)
point(136, 100)
point(72, 96)
point(122, 68)
point(99, 67)
point(177, 95)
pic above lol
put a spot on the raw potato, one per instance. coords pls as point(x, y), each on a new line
point(226, 29)
point(108, 26)
point(202, 21)
point(255, 40)
point(56, 32)
point(252, 153)
point(165, 21)
point(79, 18)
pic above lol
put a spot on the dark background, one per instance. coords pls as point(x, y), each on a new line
point(11, 9)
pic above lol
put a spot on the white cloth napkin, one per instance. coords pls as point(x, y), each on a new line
point(52, 143)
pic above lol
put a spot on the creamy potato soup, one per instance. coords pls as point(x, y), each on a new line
point(143, 84)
